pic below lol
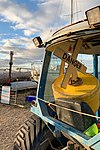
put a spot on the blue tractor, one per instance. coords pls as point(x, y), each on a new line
point(66, 107)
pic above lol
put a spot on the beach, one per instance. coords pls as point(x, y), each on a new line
point(11, 118)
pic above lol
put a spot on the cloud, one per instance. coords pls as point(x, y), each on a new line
point(19, 42)
point(29, 21)
point(14, 13)
point(49, 14)
point(29, 32)
point(3, 20)
point(24, 50)
point(4, 63)
point(42, 19)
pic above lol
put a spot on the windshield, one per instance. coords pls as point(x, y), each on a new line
point(53, 73)
point(87, 60)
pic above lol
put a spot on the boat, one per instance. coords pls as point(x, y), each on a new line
point(16, 75)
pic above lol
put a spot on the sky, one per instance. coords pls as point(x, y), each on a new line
point(22, 20)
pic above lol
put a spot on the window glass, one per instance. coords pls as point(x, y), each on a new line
point(53, 73)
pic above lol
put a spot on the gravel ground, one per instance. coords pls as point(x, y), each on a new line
point(11, 118)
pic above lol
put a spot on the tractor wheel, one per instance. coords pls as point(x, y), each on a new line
point(35, 135)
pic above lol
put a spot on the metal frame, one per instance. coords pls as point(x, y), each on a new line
point(95, 65)
point(41, 110)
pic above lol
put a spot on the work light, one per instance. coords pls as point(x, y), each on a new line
point(93, 16)
point(38, 42)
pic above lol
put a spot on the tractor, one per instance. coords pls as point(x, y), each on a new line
point(66, 107)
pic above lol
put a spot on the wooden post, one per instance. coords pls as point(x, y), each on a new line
point(10, 66)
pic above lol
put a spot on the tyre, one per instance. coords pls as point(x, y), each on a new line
point(35, 135)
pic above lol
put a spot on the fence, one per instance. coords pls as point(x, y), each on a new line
point(19, 97)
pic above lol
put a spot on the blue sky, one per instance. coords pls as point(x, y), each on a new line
point(22, 20)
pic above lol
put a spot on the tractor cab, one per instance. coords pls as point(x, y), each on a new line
point(65, 83)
